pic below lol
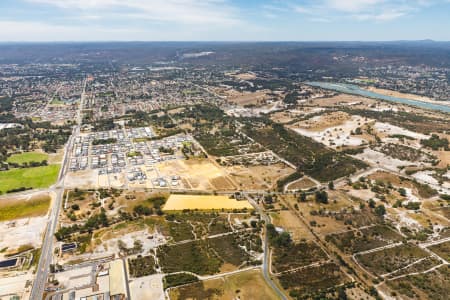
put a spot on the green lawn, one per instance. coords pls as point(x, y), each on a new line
point(27, 157)
point(57, 101)
point(24, 209)
point(39, 177)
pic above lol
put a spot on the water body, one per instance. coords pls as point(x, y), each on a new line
point(356, 90)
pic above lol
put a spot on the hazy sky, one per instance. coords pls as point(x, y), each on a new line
point(217, 20)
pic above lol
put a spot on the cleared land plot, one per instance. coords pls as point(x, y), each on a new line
point(324, 121)
point(364, 239)
point(391, 259)
point(311, 281)
point(442, 250)
point(20, 233)
point(433, 285)
point(419, 189)
point(38, 177)
point(255, 98)
point(22, 208)
point(204, 202)
point(27, 157)
point(258, 177)
point(297, 255)
point(246, 285)
point(198, 174)
point(301, 184)
point(292, 224)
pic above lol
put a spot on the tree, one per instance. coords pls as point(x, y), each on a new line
point(371, 203)
point(302, 197)
point(380, 210)
point(331, 185)
point(321, 197)
point(142, 210)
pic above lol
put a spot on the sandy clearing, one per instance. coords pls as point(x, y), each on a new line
point(336, 136)
point(425, 176)
point(14, 284)
point(148, 287)
point(204, 202)
point(14, 234)
point(378, 158)
point(388, 129)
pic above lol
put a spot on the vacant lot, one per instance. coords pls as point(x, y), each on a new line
point(27, 157)
point(204, 202)
point(391, 259)
point(248, 285)
point(324, 121)
point(365, 239)
point(292, 224)
point(313, 280)
point(258, 177)
point(297, 255)
point(443, 250)
point(419, 189)
point(39, 177)
point(311, 157)
point(198, 174)
point(301, 184)
point(142, 266)
point(193, 257)
point(256, 98)
point(434, 285)
point(21, 208)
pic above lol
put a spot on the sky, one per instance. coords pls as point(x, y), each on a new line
point(224, 20)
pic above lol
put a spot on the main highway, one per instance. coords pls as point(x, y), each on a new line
point(45, 260)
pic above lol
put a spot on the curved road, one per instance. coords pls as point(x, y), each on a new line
point(266, 260)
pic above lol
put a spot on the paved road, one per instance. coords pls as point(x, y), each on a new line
point(47, 246)
point(266, 260)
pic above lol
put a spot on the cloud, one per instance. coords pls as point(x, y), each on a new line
point(360, 10)
point(216, 12)
point(19, 31)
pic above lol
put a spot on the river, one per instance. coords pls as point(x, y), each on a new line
point(356, 90)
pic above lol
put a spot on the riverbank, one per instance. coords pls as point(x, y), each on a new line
point(396, 94)
point(357, 90)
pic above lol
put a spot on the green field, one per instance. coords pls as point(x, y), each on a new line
point(38, 177)
point(23, 209)
point(57, 101)
point(27, 157)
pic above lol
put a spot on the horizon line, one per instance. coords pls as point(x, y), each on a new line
point(224, 41)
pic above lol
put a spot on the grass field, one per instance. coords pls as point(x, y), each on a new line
point(27, 157)
point(202, 202)
point(39, 177)
point(10, 210)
